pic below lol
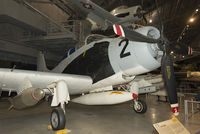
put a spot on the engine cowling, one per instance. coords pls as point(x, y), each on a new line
point(134, 58)
point(27, 98)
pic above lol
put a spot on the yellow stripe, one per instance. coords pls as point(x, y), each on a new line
point(84, 53)
point(66, 63)
point(85, 50)
point(168, 71)
point(116, 93)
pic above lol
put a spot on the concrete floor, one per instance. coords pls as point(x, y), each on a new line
point(81, 119)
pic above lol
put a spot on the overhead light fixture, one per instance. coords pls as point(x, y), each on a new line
point(197, 10)
point(150, 21)
point(172, 52)
point(191, 20)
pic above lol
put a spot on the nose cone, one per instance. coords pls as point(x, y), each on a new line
point(38, 94)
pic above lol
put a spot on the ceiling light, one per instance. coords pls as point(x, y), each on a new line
point(197, 10)
point(150, 21)
point(172, 52)
point(191, 20)
point(183, 56)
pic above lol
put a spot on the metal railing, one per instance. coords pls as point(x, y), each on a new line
point(192, 107)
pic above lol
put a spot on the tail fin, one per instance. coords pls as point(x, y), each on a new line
point(41, 64)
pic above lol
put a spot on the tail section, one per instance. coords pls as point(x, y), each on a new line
point(41, 64)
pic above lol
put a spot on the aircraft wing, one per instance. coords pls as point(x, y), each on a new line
point(32, 86)
point(19, 80)
point(96, 13)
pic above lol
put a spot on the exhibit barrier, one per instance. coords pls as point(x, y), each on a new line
point(186, 102)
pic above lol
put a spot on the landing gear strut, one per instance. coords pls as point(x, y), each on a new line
point(139, 106)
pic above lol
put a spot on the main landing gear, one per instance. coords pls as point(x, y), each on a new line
point(139, 106)
point(57, 119)
point(60, 98)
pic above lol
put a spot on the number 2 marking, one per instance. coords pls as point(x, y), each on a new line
point(123, 54)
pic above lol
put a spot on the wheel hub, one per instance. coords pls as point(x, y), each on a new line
point(54, 120)
point(137, 106)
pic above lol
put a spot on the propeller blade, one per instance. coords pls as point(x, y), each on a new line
point(160, 21)
point(170, 83)
point(168, 69)
point(133, 35)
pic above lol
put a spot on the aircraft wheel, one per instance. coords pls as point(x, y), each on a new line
point(57, 119)
point(139, 107)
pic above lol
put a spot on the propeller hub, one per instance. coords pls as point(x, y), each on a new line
point(163, 44)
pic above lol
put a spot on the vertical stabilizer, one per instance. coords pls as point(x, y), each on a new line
point(41, 64)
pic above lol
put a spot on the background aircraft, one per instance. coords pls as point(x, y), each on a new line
point(102, 19)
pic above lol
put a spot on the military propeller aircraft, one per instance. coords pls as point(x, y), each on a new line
point(93, 70)
point(101, 19)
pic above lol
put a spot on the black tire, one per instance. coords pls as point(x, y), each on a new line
point(57, 119)
point(141, 109)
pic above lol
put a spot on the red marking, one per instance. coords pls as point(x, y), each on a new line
point(32, 94)
point(54, 120)
point(97, 25)
point(190, 51)
point(134, 96)
point(118, 30)
point(175, 109)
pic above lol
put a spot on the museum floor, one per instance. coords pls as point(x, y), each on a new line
point(81, 119)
